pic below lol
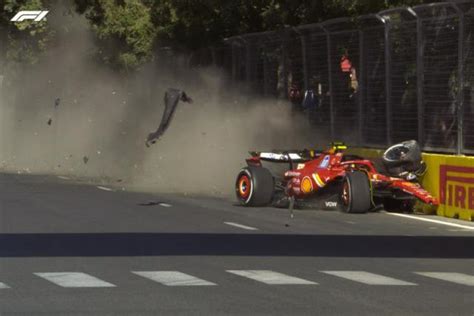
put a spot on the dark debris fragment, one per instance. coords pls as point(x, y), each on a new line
point(172, 98)
point(151, 203)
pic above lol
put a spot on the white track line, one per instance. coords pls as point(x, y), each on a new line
point(367, 278)
point(73, 279)
point(165, 204)
point(173, 278)
point(64, 178)
point(432, 221)
point(3, 286)
point(240, 226)
point(104, 188)
point(270, 277)
point(459, 278)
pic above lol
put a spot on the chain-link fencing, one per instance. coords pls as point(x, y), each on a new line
point(403, 73)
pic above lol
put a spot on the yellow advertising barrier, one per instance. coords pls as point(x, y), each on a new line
point(449, 178)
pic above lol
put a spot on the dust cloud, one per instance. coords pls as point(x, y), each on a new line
point(71, 115)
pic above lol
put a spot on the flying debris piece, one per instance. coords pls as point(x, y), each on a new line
point(172, 97)
point(50, 121)
point(56, 102)
point(85, 159)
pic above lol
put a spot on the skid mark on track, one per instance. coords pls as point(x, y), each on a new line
point(104, 188)
point(240, 226)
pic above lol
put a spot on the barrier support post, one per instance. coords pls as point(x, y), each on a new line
point(304, 57)
point(331, 86)
point(460, 96)
point(388, 83)
point(420, 79)
point(361, 88)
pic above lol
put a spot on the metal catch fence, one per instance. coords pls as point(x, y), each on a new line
point(403, 73)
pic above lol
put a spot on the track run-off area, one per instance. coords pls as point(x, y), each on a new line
point(70, 248)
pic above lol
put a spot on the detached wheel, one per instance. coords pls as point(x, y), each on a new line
point(356, 196)
point(254, 186)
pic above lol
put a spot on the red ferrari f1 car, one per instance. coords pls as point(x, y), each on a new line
point(333, 179)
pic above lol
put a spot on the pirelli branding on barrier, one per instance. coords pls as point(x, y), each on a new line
point(456, 186)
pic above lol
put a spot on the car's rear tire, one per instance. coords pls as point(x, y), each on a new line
point(254, 186)
point(356, 196)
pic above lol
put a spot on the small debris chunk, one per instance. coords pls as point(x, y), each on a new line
point(151, 203)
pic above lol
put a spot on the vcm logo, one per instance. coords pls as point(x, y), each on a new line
point(29, 15)
point(456, 187)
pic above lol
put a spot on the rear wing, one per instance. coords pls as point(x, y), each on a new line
point(286, 155)
point(292, 156)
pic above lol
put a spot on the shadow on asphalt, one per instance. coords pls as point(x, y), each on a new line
point(192, 244)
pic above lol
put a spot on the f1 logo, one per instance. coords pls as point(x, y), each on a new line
point(29, 15)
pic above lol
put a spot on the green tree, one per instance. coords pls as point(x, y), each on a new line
point(193, 24)
point(124, 30)
point(129, 30)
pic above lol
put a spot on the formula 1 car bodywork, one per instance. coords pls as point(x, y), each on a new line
point(332, 179)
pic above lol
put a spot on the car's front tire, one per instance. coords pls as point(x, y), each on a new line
point(356, 195)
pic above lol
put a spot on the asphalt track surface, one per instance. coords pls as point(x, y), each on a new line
point(72, 249)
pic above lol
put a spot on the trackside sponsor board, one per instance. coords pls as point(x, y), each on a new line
point(449, 178)
point(456, 186)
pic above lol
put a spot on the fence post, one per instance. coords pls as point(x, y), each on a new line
point(304, 57)
point(248, 62)
point(265, 70)
point(460, 96)
point(284, 65)
point(420, 77)
point(388, 82)
point(361, 75)
point(331, 91)
point(234, 61)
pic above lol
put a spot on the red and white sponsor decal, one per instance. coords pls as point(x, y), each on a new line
point(456, 186)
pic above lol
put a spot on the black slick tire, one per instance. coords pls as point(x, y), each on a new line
point(254, 186)
point(356, 196)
